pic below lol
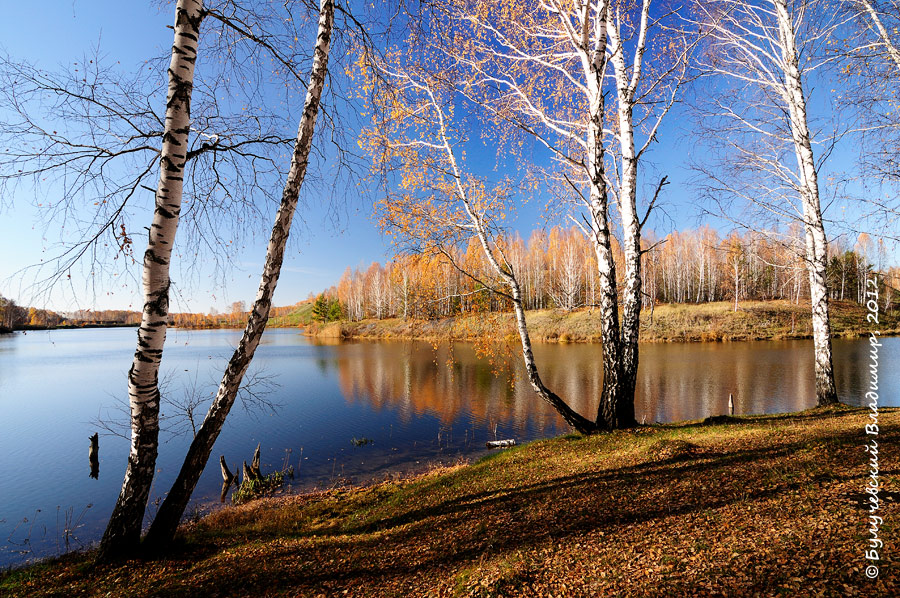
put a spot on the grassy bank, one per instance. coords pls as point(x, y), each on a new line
point(301, 316)
point(756, 506)
point(754, 320)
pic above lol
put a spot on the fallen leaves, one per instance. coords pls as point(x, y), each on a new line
point(756, 508)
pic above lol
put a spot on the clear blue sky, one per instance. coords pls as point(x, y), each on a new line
point(51, 33)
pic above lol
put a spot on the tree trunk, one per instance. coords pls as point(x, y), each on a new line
point(164, 526)
point(123, 531)
point(573, 418)
point(883, 35)
point(631, 228)
point(737, 284)
point(816, 241)
point(826, 392)
point(607, 411)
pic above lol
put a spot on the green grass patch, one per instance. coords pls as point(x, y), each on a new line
point(252, 489)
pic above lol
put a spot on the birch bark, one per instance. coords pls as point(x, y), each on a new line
point(594, 62)
point(123, 531)
point(882, 31)
point(816, 241)
point(626, 88)
point(164, 526)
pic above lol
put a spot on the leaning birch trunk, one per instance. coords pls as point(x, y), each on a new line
point(572, 417)
point(816, 241)
point(164, 526)
point(883, 35)
point(123, 531)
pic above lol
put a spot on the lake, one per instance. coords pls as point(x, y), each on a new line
point(410, 403)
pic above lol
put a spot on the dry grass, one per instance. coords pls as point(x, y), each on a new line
point(754, 320)
point(759, 506)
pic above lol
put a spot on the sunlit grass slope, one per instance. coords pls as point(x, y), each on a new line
point(754, 320)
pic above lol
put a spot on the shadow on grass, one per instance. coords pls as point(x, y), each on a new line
point(428, 531)
point(434, 540)
point(810, 415)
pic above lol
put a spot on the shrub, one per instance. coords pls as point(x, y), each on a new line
point(251, 489)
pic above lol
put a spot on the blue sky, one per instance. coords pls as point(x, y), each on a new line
point(55, 33)
point(135, 30)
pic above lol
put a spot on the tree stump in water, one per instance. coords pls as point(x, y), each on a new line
point(93, 455)
point(250, 474)
point(228, 478)
point(254, 466)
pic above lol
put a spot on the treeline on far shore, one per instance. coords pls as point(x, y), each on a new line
point(17, 317)
point(297, 314)
point(557, 269)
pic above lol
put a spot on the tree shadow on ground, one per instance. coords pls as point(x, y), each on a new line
point(431, 541)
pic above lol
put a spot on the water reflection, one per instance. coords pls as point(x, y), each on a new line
point(447, 382)
point(94, 457)
point(676, 382)
point(415, 402)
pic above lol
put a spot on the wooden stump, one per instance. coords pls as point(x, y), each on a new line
point(254, 466)
point(93, 455)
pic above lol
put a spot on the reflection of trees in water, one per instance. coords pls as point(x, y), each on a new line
point(676, 382)
point(851, 369)
point(416, 379)
point(679, 382)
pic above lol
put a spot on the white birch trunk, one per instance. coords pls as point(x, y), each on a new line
point(123, 531)
point(594, 63)
point(816, 241)
point(882, 32)
point(631, 230)
point(164, 526)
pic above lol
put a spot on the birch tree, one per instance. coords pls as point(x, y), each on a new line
point(439, 206)
point(768, 50)
point(882, 43)
point(89, 136)
point(644, 98)
point(566, 269)
point(124, 528)
point(545, 69)
point(170, 512)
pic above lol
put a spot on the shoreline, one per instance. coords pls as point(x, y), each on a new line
point(545, 513)
point(30, 328)
point(671, 323)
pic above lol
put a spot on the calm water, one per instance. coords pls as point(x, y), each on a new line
point(418, 405)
